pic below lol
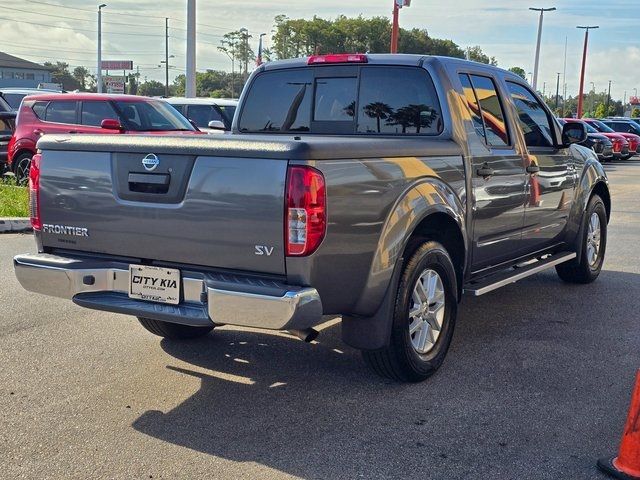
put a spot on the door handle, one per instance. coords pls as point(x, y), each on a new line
point(533, 169)
point(485, 171)
point(73, 131)
point(37, 131)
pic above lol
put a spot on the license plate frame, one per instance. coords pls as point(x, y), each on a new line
point(155, 284)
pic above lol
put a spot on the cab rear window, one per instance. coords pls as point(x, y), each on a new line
point(372, 100)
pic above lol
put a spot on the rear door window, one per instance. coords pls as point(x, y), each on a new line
point(61, 111)
point(397, 100)
point(94, 112)
point(492, 111)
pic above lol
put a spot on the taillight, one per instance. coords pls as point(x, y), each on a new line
point(338, 58)
point(34, 192)
point(617, 145)
point(306, 210)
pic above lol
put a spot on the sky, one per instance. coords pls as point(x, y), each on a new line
point(49, 30)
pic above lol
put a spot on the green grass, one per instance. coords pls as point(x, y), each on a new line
point(14, 201)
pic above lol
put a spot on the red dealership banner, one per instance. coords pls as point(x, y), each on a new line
point(634, 100)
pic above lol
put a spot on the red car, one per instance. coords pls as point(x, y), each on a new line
point(88, 113)
point(632, 138)
point(619, 143)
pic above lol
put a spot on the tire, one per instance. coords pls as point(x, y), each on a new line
point(627, 157)
point(21, 166)
point(589, 266)
point(403, 359)
point(173, 331)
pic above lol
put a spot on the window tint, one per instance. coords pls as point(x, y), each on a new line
point(203, 114)
point(396, 101)
point(228, 111)
point(472, 103)
point(335, 99)
point(279, 102)
point(151, 116)
point(14, 99)
point(533, 117)
point(94, 112)
point(39, 109)
point(492, 112)
point(61, 112)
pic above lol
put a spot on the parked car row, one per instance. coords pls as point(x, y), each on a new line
point(622, 133)
point(90, 113)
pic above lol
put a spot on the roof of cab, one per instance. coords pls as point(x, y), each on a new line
point(223, 102)
point(90, 96)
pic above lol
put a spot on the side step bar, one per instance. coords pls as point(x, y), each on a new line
point(500, 279)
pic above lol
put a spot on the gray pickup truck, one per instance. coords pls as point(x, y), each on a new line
point(376, 187)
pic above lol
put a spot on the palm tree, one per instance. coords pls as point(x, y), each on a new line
point(379, 111)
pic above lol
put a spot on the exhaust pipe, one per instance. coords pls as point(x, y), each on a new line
point(306, 335)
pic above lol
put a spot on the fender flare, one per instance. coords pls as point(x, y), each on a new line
point(592, 176)
point(369, 325)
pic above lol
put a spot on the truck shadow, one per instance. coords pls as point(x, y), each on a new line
point(514, 377)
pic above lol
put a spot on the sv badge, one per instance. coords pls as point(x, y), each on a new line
point(263, 250)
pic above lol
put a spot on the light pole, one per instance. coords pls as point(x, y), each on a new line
point(537, 59)
point(190, 80)
point(166, 72)
point(395, 28)
point(530, 74)
point(99, 76)
point(584, 64)
point(166, 57)
point(557, 92)
point(608, 97)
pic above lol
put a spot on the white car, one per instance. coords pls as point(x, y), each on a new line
point(211, 115)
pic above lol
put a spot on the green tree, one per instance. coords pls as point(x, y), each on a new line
point(476, 54)
point(601, 111)
point(151, 88)
point(60, 74)
point(301, 37)
point(519, 71)
point(81, 74)
point(635, 113)
point(379, 111)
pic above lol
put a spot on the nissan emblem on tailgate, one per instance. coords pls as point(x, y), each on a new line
point(150, 162)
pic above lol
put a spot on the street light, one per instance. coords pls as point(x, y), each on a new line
point(166, 72)
point(99, 79)
point(584, 64)
point(537, 59)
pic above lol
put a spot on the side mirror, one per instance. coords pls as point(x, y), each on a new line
point(111, 124)
point(573, 132)
point(216, 125)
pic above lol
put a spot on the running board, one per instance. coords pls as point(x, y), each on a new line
point(493, 282)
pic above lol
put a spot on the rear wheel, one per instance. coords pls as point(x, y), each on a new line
point(173, 331)
point(21, 166)
point(593, 244)
point(423, 320)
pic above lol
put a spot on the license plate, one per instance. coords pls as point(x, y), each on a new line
point(154, 284)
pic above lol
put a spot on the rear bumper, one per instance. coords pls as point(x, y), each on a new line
point(207, 298)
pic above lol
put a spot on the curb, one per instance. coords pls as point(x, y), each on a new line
point(15, 225)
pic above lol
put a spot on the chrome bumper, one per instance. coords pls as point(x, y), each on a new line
point(222, 299)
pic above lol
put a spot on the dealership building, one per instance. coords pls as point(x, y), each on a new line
point(17, 72)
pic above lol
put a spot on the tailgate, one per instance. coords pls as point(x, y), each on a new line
point(202, 210)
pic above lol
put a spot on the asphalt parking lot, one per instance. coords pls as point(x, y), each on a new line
point(536, 386)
